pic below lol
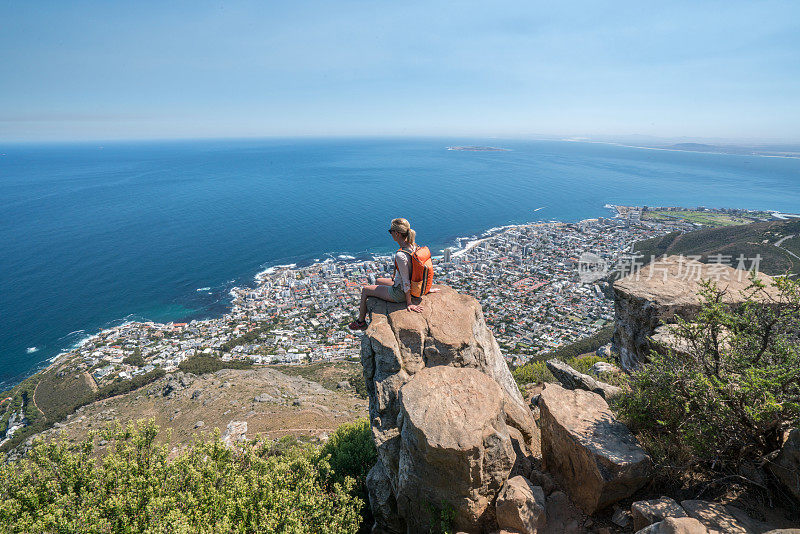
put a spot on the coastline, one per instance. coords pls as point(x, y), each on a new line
point(461, 245)
point(293, 313)
point(666, 149)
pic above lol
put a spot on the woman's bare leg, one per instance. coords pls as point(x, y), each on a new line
point(384, 282)
point(382, 292)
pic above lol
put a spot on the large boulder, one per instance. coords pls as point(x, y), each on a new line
point(721, 518)
point(646, 513)
point(675, 525)
point(592, 454)
point(786, 464)
point(563, 517)
point(382, 500)
point(521, 506)
point(455, 449)
point(400, 344)
point(662, 291)
point(572, 379)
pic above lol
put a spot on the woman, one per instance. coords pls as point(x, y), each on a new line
point(399, 288)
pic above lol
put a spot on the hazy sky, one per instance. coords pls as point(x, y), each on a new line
point(110, 69)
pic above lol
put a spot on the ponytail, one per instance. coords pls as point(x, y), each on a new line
point(402, 227)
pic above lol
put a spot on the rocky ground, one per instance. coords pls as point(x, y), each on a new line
point(270, 402)
point(458, 444)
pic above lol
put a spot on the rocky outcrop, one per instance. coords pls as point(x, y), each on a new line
point(720, 518)
point(675, 525)
point(604, 367)
point(382, 500)
point(591, 453)
point(786, 464)
point(662, 291)
point(521, 506)
point(455, 448)
point(236, 432)
point(412, 438)
point(572, 379)
point(646, 513)
point(563, 517)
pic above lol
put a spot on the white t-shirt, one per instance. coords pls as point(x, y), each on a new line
point(402, 278)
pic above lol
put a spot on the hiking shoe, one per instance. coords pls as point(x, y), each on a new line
point(358, 325)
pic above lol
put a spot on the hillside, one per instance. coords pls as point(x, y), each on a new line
point(272, 403)
point(748, 240)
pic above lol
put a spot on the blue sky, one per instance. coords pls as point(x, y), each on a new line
point(109, 70)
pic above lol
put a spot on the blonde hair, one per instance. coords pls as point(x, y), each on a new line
point(402, 227)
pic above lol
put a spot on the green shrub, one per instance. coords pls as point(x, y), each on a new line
point(731, 391)
point(202, 364)
point(536, 372)
point(119, 387)
point(136, 359)
point(209, 488)
point(582, 346)
point(584, 363)
point(352, 453)
point(442, 518)
point(532, 373)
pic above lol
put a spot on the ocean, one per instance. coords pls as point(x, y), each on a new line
point(95, 234)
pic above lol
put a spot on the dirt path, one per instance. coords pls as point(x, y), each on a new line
point(298, 430)
point(90, 381)
point(34, 399)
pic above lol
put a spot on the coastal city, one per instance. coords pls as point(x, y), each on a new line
point(541, 285)
point(526, 277)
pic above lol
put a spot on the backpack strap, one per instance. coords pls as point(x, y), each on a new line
point(410, 258)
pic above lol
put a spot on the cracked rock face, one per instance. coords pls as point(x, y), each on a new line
point(591, 453)
point(786, 465)
point(455, 448)
point(398, 345)
point(659, 292)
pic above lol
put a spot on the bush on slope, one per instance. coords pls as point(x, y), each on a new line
point(132, 487)
point(732, 390)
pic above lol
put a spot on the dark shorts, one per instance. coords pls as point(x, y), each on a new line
point(397, 294)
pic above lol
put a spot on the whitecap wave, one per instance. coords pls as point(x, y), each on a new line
point(269, 270)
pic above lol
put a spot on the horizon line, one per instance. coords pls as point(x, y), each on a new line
point(624, 140)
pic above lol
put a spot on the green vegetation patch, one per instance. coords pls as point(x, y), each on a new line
point(135, 358)
point(579, 355)
point(713, 219)
point(329, 374)
point(59, 393)
point(747, 240)
point(120, 387)
point(202, 364)
point(133, 487)
point(731, 393)
point(351, 453)
point(248, 337)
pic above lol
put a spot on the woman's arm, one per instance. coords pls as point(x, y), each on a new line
point(412, 307)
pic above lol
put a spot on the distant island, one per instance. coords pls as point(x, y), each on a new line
point(478, 148)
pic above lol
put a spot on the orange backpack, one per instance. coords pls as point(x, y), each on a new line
point(421, 271)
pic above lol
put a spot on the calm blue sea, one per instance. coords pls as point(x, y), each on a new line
point(92, 235)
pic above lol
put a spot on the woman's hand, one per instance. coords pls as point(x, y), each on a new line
point(415, 308)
